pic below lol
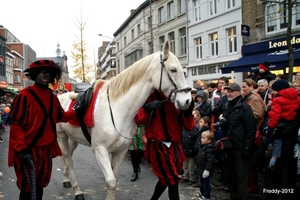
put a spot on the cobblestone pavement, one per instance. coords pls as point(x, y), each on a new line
point(92, 183)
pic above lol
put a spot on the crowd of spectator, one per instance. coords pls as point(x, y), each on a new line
point(260, 116)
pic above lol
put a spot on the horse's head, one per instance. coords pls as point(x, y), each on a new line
point(170, 79)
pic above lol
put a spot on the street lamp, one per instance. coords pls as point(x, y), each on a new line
point(105, 36)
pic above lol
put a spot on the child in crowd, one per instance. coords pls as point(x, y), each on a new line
point(188, 139)
point(197, 118)
point(283, 110)
point(205, 164)
point(202, 104)
point(204, 125)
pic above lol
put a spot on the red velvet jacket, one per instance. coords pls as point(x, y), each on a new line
point(166, 122)
point(284, 106)
point(27, 118)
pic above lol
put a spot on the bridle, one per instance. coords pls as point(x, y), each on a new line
point(175, 90)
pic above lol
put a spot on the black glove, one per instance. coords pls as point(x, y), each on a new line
point(25, 156)
point(246, 153)
point(152, 106)
point(188, 112)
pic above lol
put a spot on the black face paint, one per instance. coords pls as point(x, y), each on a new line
point(43, 78)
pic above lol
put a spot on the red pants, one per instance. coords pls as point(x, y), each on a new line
point(166, 162)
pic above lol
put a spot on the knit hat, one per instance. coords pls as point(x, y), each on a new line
point(280, 84)
point(264, 66)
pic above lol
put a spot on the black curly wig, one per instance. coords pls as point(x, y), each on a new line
point(48, 65)
point(54, 73)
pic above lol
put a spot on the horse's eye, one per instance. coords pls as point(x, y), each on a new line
point(173, 70)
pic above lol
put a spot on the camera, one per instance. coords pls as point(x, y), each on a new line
point(220, 122)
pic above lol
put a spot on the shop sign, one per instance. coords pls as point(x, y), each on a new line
point(211, 69)
point(283, 43)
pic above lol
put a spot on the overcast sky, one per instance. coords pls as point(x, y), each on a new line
point(43, 23)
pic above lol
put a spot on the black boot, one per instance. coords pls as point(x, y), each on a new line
point(134, 177)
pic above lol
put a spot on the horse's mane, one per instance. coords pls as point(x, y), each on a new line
point(120, 84)
point(97, 83)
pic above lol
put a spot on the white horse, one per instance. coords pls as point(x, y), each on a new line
point(114, 117)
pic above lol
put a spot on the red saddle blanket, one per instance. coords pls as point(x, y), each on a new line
point(89, 116)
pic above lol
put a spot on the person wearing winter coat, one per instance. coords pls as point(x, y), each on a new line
point(283, 109)
point(188, 140)
point(240, 128)
point(284, 173)
point(205, 164)
point(264, 73)
point(256, 103)
point(201, 103)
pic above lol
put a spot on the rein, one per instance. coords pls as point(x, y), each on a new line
point(112, 116)
point(175, 90)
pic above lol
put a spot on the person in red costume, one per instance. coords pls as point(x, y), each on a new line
point(33, 118)
point(163, 148)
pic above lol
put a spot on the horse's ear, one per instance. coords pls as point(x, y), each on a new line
point(166, 49)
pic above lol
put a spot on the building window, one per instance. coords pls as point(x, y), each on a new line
point(276, 17)
point(161, 41)
point(17, 78)
point(197, 10)
point(149, 22)
point(182, 35)
point(161, 15)
point(230, 4)
point(181, 6)
point(213, 7)
point(138, 30)
point(132, 34)
point(118, 46)
point(297, 15)
point(198, 48)
point(125, 42)
point(232, 40)
point(171, 13)
point(214, 49)
point(172, 41)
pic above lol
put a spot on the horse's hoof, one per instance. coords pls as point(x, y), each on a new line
point(79, 197)
point(67, 184)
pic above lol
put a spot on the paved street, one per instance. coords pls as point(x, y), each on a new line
point(92, 181)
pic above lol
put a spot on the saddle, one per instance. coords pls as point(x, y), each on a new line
point(83, 100)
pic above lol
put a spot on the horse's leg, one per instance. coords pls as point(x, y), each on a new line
point(67, 147)
point(66, 181)
point(69, 161)
point(62, 139)
point(103, 159)
point(117, 159)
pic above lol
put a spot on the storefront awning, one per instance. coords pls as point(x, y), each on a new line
point(10, 91)
point(248, 63)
